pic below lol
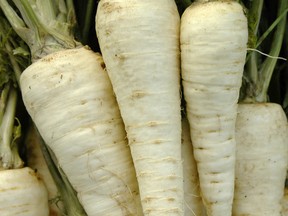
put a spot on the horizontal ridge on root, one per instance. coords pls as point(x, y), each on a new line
point(148, 124)
point(201, 87)
point(148, 199)
point(89, 125)
point(170, 210)
point(160, 160)
point(226, 142)
point(99, 148)
point(175, 189)
point(138, 94)
point(158, 141)
point(164, 177)
point(102, 183)
point(216, 115)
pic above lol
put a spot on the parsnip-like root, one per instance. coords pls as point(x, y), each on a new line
point(213, 50)
point(261, 159)
point(139, 41)
point(69, 97)
point(23, 193)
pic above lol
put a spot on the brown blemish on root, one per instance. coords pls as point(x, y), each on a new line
point(147, 199)
point(11, 189)
point(171, 199)
point(35, 173)
point(227, 156)
point(213, 131)
point(152, 124)
point(103, 66)
point(47, 59)
point(158, 141)
point(109, 7)
point(214, 173)
point(83, 102)
point(120, 57)
point(107, 32)
point(138, 94)
point(34, 76)
point(132, 141)
point(108, 131)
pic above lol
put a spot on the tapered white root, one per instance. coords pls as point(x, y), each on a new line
point(23, 193)
point(139, 41)
point(69, 97)
point(213, 49)
point(261, 159)
point(193, 200)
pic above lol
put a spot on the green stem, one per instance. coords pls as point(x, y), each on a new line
point(14, 63)
point(10, 127)
point(8, 153)
point(45, 27)
point(16, 22)
point(254, 15)
point(29, 34)
point(13, 51)
point(87, 20)
point(186, 3)
point(273, 25)
point(268, 66)
point(29, 16)
point(251, 73)
point(3, 99)
point(71, 17)
point(285, 68)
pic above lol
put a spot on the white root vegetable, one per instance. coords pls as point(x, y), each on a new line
point(36, 161)
point(193, 200)
point(261, 159)
point(69, 97)
point(213, 49)
point(139, 41)
point(23, 193)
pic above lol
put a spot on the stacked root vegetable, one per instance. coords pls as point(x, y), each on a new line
point(170, 115)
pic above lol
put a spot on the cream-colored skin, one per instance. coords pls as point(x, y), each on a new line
point(213, 49)
point(139, 41)
point(261, 159)
point(36, 161)
point(193, 200)
point(69, 97)
point(22, 193)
